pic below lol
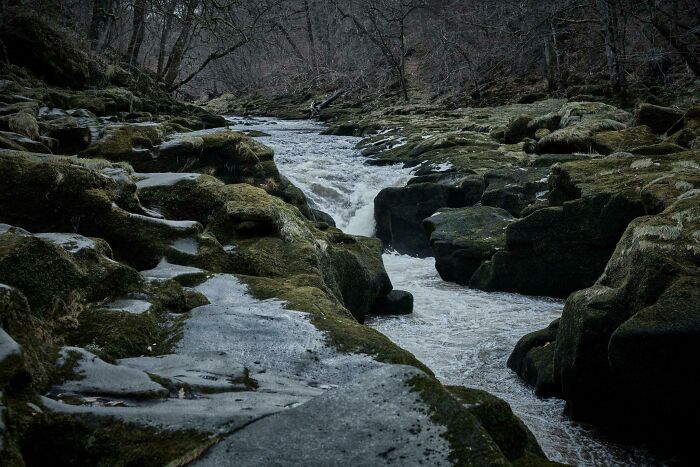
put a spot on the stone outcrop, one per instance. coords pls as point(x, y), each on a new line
point(461, 239)
point(399, 211)
point(564, 247)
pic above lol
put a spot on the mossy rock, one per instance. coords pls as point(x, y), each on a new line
point(608, 142)
point(533, 360)
point(483, 435)
point(510, 434)
point(55, 280)
point(461, 239)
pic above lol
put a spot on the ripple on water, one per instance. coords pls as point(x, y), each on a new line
point(463, 335)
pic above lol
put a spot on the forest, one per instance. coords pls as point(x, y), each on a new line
point(453, 49)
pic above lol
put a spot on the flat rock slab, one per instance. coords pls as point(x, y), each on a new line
point(213, 413)
point(204, 371)
point(374, 420)
point(150, 180)
point(263, 335)
point(97, 377)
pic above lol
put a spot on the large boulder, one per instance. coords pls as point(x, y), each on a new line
point(579, 122)
point(231, 156)
point(461, 239)
point(399, 211)
point(659, 119)
point(533, 360)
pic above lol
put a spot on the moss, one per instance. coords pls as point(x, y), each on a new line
point(115, 334)
point(510, 434)
point(68, 441)
point(469, 442)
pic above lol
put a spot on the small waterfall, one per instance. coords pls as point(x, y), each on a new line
point(463, 335)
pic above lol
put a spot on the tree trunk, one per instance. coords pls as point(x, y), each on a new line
point(610, 23)
point(138, 27)
point(100, 23)
point(164, 36)
point(310, 35)
point(172, 68)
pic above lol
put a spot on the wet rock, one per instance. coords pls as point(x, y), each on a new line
point(510, 434)
point(576, 138)
point(132, 143)
point(683, 137)
point(514, 189)
point(517, 130)
point(11, 361)
point(557, 250)
point(548, 160)
point(461, 239)
point(199, 371)
point(620, 342)
point(393, 428)
point(659, 119)
point(533, 360)
point(89, 375)
point(20, 142)
point(321, 216)
point(53, 270)
point(399, 212)
point(396, 302)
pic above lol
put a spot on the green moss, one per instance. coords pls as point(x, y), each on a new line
point(115, 334)
point(510, 434)
point(68, 441)
point(470, 444)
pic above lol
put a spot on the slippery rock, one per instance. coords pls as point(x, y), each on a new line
point(380, 415)
point(514, 189)
point(396, 302)
point(461, 239)
point(10, 355)
point(399, 211)
point(89, 375)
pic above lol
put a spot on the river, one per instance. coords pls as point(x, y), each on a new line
point(463, 335)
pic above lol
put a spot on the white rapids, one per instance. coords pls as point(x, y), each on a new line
point(463, 335)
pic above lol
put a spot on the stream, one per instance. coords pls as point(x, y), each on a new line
point(465, 336)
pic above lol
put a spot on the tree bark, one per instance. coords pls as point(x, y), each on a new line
point(610, 22)
point(138, 27)
point(100, 23)
point(172, 67)
point(164, 36)
point(310, 35)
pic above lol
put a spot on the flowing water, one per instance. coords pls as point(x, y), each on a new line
point(463, 335)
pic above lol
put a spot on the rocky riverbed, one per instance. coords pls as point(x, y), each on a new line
point(168, 297)
point(577, 199)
